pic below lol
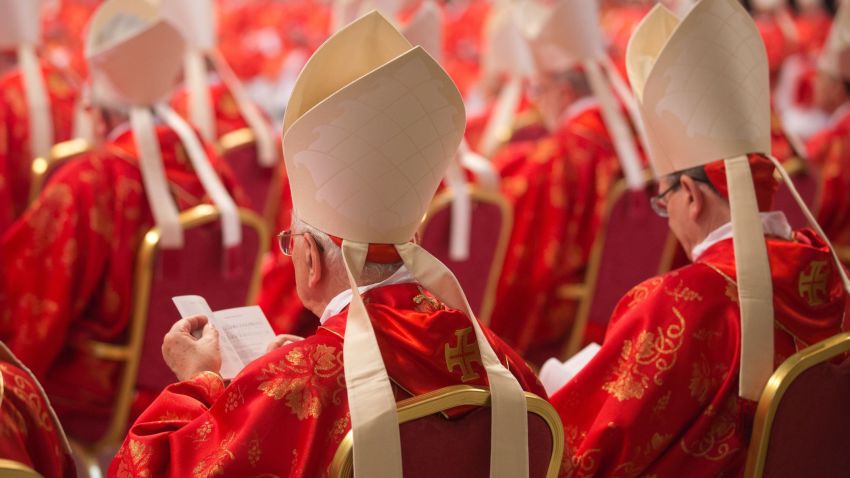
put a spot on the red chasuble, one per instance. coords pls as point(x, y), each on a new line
point(829, 150)
point(286, 413)
point(15, 154)
point(66, 271)
point(661, 397)
point(29, 432)
point(228, 118)
point(557, 187)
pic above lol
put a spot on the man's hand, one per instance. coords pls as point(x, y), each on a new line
point(281, 340)
point(187, 355)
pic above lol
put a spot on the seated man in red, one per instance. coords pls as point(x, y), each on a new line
point(66, 266)
point(32, 436)
point(393, 318)
point(37, 106)
point(673, 390)
point(558, 185)
point(829, 150)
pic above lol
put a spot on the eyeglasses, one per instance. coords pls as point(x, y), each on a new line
point(657, 202)
point(286, 241)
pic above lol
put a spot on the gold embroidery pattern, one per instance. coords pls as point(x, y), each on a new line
point(425, 303)
point(254, 452)
point(203, 432)
point(339, 428)
point(812, 283)
point(705, 377)
point(642, 291)
point(213, 464)
point(717, 442)
point(135, 461)
point(463, 354)
point(234, 399)
point(681, 293)
point(657, 351)
point(24, 389)
point(301, 378)
point(662, 403)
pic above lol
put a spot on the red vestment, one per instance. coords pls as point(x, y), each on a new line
point(661, 396)
point(286, 413)
point(829, 150)
point(15, 152)
point(463, 36)
point(66, 271)
point(557, 187)
point(29, 432)
point(226, 112)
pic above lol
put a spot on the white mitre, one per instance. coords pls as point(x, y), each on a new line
point(371, 126)
point(835, 56)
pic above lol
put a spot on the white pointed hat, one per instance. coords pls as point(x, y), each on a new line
point(20, 28)
point(196, 18)
point(703, 88)
point(137, 54)
point(564, 33)
point(371, 126)
point(835, 56)
point(506, 49)
point(425, 29)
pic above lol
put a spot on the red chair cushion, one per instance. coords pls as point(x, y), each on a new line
point(810, 431)
point(807, 185)
point(634, 244)
point(434, 446)
point(199, 268)
point(473, 274)
point(254, 179)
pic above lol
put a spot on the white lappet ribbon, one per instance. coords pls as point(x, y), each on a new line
point(231, 227)
point(377, 450)
point(199, 100)
point(500, 123)
point(40, 117)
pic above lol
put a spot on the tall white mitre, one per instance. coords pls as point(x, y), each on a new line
point(703, 88)
point(371, 126)
point(125, 75)
point(835, 56)
point(566, 34)
point(197, 21)
point(20, 30)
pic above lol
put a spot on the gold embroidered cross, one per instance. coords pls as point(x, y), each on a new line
point(463, 355)
point(812, 283)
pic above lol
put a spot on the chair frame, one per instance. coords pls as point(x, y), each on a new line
point(584, 292)
point(130, 353)
point(447, 398)
point(59, 153)
point(478, 194)
point(245, 137)
point(779, 382)
point(16, 469)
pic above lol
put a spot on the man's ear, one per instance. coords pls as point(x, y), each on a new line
point(314, 260)
point(695, 197)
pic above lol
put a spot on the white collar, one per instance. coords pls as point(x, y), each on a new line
point(341, 301)
point(774, 223)
point(839, 114)
point(578, 107)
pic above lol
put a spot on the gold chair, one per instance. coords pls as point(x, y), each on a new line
point(14, 469)
point(492, 219)
point(545, 429)
point(628, 221)
point(42, 168)
point(788, 395)
point(153, 313)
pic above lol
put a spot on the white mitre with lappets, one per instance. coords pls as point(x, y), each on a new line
point(703, 88)
point(20, 30)
point(835, 56)
point(136, 55)
point(371, 126)
point(567, 34)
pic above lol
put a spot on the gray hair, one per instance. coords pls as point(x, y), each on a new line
point(373, 272)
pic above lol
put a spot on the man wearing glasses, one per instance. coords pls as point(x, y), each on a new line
point(674, 386)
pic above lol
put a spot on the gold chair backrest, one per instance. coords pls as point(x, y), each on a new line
point(14, 469)
point(779, 382)
point(60, 153)
point(130, 353)
point(448, 398)
point(477, 194)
